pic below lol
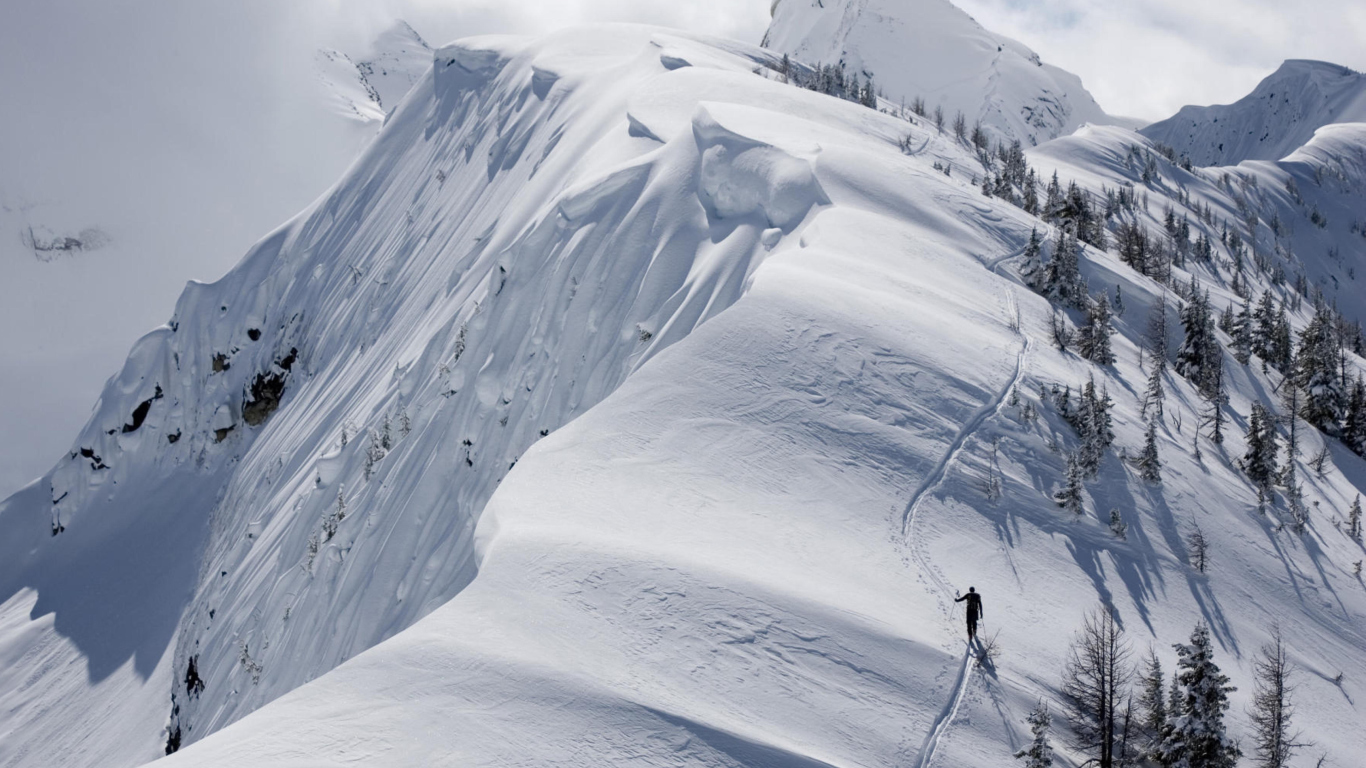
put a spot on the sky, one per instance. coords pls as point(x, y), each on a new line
point(185, 130)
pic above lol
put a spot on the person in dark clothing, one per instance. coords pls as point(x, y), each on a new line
point(974, 610)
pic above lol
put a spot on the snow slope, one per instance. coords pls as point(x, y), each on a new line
point(1280, 115)
point(933, 50)
point(703, 399)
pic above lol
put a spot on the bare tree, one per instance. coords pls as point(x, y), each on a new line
point(1199, 549)
point(1094, 682)
point(1272, 740)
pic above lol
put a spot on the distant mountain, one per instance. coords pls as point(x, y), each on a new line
point(368, 86)
point(1280, 115)
point(933, 50)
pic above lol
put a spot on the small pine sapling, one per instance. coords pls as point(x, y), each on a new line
point(1354, 522)
point(1039, 754)
point(1149, 464)
point(1117, 525)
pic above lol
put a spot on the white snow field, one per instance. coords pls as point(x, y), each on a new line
point(625, 405)
point(1281, 114)
point(933, 50)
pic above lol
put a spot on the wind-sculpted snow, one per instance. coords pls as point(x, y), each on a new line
point(625, 404)
point(503, 256)
point(1279, 116)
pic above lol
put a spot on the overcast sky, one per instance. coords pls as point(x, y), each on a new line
point(186, 130)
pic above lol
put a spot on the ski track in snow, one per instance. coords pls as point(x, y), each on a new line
point(946, 717)
point(909, 518)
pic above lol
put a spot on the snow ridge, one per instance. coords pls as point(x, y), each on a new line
point(1281, 114)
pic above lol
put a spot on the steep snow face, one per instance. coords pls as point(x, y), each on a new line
point(370, 86)
point(291, 469)
point(1281, 114)
point(933, 50)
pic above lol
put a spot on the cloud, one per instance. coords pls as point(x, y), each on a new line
point(1148, 58)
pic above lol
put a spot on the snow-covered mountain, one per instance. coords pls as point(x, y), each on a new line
point(1278, 117)
point(624, 403)
point(369, 86)
point(932, 50)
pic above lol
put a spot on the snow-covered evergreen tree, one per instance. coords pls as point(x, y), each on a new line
point(1200, 352)
point(1260, 460)
point(1152, 706)
point(1195, 736)
point(1031, 262)
point(1242, 332)
point(1354, 519)
point(1148, 463)
point(1093, 341)
point(1062, 278)
point(1318, 374)
point(1040, 752)
point(1354, 419)
point(1070, 498)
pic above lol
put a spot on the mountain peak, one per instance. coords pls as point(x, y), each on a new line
point(1280, 115)
point(933, 50)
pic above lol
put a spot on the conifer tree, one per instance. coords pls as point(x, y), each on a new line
point(1272, 709)
point(1052, 199)
point(1093, 342)
point(1317, 372)
point(1195, 736)
point(1153, 395)
point(1242, 328)
point(1354, 520)
point(1260, 460)
point(1216, 405)
point(1132, 241)
point(1031, 263)
point(1149, 465)
point(1070, 498)
point(1290, 397)
point(1039, 754)
point(1264, 327)
point(1031, 194)
point(1156, 340)
point(1199, 352)
point(1282, 349)
point(1062, 279)
point(1354, 421)
point(1152, 706)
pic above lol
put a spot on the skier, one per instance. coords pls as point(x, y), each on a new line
point(974, 611)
